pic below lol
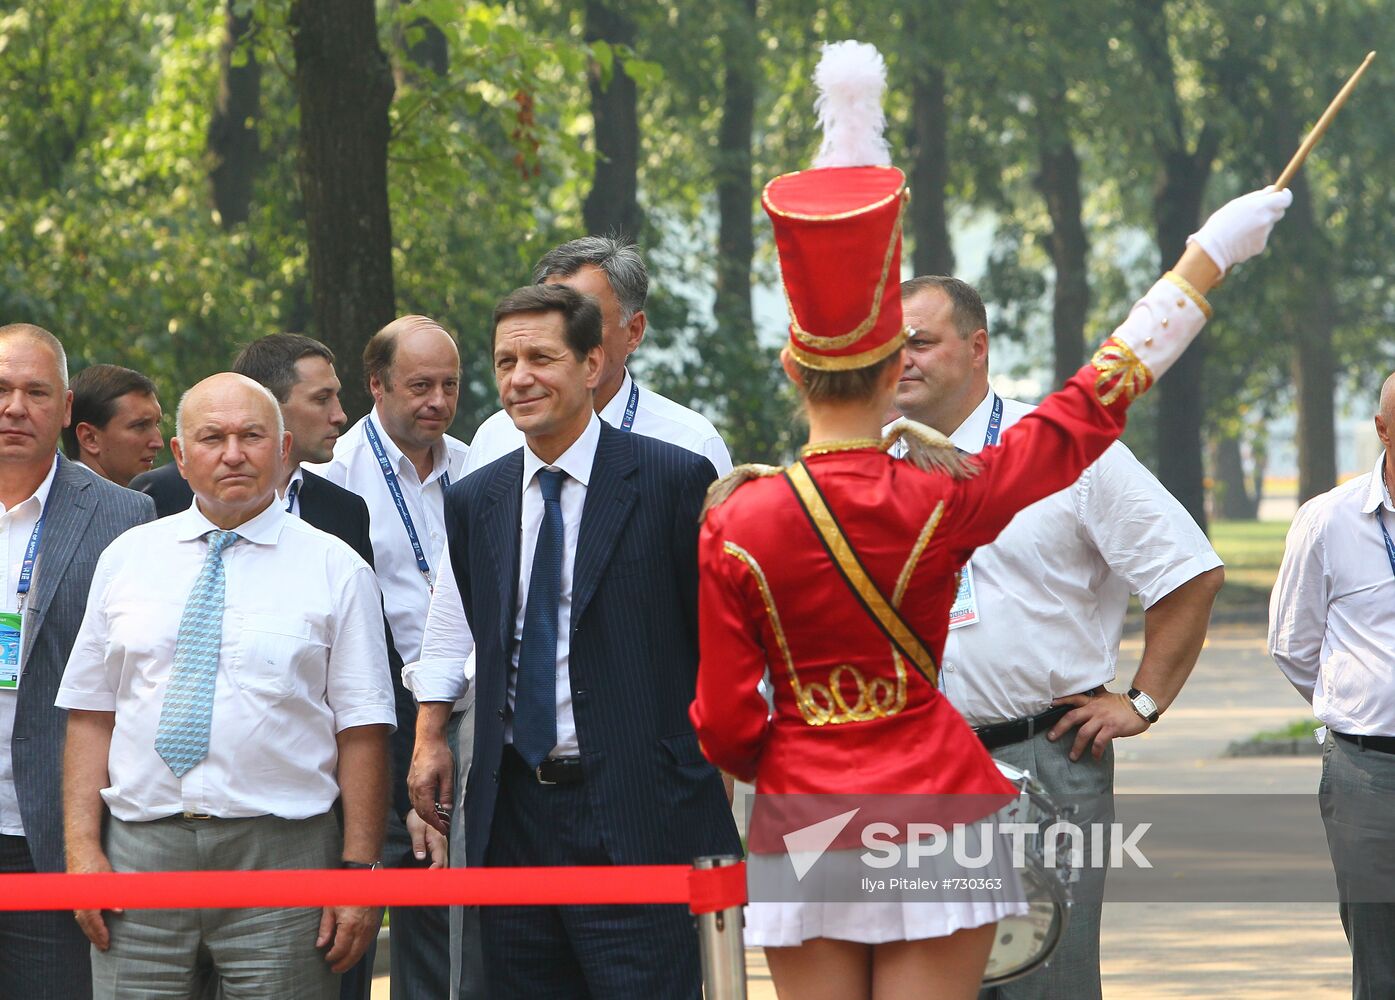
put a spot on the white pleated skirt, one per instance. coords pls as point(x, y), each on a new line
point(887, 915)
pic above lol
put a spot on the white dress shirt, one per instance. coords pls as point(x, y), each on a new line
point(16, 525)
point(292, 506)
point(406, 592)
point(1332, 612)
point(302, 658)
point(446, 670)
point(1053, 589)
point(655, 417)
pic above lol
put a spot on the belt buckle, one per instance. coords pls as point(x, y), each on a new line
point(537, 773)
point(194, 815)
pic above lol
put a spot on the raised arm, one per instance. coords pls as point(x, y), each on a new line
point(1049, 448)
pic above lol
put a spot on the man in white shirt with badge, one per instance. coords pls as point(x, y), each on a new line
point(1332, 633)
point(400, 459)
point(613, 273)
point(1036, 625)
point(218, 708)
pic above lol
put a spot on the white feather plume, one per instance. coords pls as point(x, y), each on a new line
point(851, 77)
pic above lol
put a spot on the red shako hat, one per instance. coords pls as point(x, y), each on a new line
point(838, 225)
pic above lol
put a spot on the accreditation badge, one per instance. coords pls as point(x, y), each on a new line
point(9, 650)
point(964, 610)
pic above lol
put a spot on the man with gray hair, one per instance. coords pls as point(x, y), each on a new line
point(218, 709)
point(613, 273)
point(1331, 631)
point(56, 519)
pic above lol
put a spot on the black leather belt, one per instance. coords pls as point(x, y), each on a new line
point(1381, 744)
point(553, 770)
point(1005, 734)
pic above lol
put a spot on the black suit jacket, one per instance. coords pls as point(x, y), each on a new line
point(343, 514)
point(634, 646)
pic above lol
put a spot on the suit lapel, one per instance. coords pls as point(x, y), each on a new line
point(66, 515)
point(312, 511)
point(502, 517)
point(609, 499)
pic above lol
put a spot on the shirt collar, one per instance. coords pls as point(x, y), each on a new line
point(298, 476)
point(41, 494)
point(970, 434)
point(613, 412)
point(576, 461)
point(440, 457)
point(264, 529)
point(1377, 495)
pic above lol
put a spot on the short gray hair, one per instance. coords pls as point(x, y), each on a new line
point(271, 397)
point(44, 337)
point(619, 259)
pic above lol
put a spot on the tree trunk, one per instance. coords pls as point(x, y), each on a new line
point(732, 173)
point(1183, 174)
point(1059, 183)
point(232, 132)
point(1314, 367)
point(344, 85)
point(426, 48)
point(1236, 502)
point(612, 206)
point(932, 251)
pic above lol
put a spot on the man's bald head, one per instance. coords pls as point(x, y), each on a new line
point(39, 335)
point(1387, 401)
point(412, 368)
point(221, 388)
point(231, 445)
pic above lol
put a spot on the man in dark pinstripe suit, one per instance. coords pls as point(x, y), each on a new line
point(574, 560)
point(67, 516)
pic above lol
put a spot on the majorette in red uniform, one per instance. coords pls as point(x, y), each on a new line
point(850, 714)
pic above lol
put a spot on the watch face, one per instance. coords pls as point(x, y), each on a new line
point(1146, 706)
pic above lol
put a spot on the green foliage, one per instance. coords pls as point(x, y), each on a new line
point(109, 238)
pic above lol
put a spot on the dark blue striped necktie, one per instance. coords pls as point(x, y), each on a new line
point(535, 697)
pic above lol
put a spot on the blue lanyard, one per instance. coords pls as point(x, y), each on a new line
point(627, 423)
point(292, 495)
point(399, 501)
point(31, 555)
point(1389, 545)
point(995, 422)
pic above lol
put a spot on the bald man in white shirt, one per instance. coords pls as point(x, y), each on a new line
point(1332, 633)
point(218, 707)
point(1035, 631)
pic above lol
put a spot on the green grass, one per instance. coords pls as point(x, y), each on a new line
point(1252, 551)
point(1298, 729)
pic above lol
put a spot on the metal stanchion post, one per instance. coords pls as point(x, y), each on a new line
point(719, 941)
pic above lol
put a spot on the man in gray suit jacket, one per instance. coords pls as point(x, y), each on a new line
point(57, 518)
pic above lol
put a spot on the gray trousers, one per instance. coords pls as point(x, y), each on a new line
point(1357, 799)
point(1074, 969)
point(257, 954)
point(466, 951)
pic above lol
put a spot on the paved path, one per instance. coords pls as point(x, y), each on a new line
point(1154, 951)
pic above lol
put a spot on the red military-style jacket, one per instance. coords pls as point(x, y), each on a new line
point(850, 715)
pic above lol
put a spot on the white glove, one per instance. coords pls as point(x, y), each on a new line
point(1239, 229)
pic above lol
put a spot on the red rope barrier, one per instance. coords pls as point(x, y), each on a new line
point(705, 891)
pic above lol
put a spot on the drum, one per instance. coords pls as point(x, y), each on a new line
point(1025, 942)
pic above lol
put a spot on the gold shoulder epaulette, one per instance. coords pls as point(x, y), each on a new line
point(929, 450)
point(720, 490)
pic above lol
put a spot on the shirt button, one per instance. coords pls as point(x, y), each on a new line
point(949, 667)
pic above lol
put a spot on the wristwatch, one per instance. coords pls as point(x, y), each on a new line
point(367, 866)
point(1144, 705)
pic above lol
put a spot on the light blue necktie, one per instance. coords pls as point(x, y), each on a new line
point(535, 696)
point(182, 739)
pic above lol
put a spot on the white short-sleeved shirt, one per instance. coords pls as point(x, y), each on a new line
point(406, 592)
point(1053, 589)
point(1332, 612)
point(302, 658)
point(655, 417)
